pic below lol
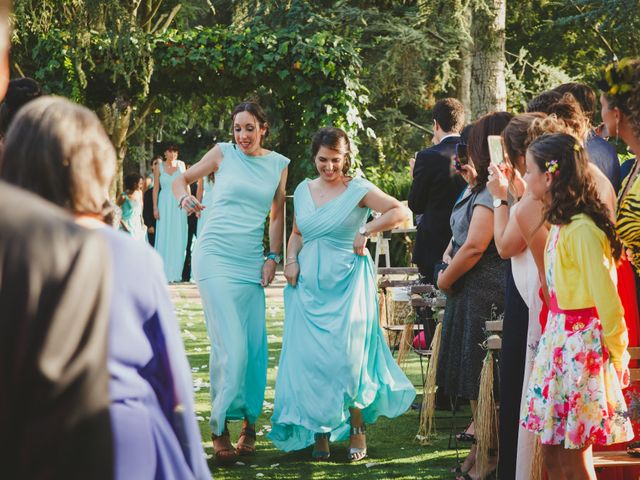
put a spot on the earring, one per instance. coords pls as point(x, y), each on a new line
point(617, 129)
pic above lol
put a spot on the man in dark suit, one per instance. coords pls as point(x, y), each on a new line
point(436, 186)
point(147, 204)
point(54, 301)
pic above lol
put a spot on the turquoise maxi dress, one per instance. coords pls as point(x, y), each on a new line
point(171, 228)
point(207, 199)
point(228, 259)
point(132, 218)
point(334, 354)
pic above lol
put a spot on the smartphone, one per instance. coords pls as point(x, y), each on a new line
point(496, 150)
point(462, 156)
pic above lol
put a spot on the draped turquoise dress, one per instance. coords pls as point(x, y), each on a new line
point(227, 264)
point(334, 354)
point(171, 227)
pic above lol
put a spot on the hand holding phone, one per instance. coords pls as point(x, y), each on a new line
point(462, 156)
point(496, 149)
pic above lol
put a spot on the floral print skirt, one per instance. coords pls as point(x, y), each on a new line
point(574, 397)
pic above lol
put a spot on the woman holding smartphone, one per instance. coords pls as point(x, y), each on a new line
point(474, 278)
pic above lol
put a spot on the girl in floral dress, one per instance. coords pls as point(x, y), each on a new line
point(574, 398)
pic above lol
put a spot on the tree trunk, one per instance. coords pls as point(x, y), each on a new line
point(488, 88)
point(466, 61)
point(116, 118)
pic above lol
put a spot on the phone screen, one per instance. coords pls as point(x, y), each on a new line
point(462, 156)
point(496, 151)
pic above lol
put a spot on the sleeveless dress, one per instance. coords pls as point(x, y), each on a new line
point(573, 397)
point(132, 218)
point(207, 201)
point(527, 281)
point(227, 264)
point(171, 228)
point(334, 354)
point(475, 295)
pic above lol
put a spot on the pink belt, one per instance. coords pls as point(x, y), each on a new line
point(575, 319)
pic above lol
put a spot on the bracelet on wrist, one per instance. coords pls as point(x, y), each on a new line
point(276, 257)
point(182, 199)
point(290, 261)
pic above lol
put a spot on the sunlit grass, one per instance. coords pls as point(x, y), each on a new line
point(393, 451)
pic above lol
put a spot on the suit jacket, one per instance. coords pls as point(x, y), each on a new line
point(54, 299)
point(604, 155)
point(436, 187)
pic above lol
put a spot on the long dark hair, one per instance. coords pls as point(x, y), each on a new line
point(573, 189)
point(254, 109)
point(491, 124)
point(335, 139)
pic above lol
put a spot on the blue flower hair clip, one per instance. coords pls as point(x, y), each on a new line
point(552, 166)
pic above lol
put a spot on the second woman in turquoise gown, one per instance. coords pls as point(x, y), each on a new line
point(171, 224)
point(336, 370)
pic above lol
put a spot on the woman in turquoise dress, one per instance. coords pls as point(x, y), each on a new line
point(130, 202)
point(336, 372)
point(205, 197)
point(171, 221)
point(231, 270)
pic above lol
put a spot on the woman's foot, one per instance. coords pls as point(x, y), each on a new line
point(473, 473)
point(223, 449)
point(358, 443)
point(247, 441)
point(467, 464)
point(321, 448)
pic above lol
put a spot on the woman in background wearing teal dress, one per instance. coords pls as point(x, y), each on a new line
point(171, 221)
point(336, 372)
point(231, 270)
point(205, 197)
point(130, 202)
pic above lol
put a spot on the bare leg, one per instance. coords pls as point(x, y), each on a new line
point(358, 441)
point(577, 464)
point(552, 461)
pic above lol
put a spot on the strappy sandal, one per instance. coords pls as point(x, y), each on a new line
point(320, 455)
point(357, 454)
point(226, 455)
point(243, 448)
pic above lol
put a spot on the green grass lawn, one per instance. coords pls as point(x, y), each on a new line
point(392, 448)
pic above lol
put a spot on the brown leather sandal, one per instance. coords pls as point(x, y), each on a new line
point(226, 455)
point(242, 447)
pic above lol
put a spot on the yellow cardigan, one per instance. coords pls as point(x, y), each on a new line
point(584, 275)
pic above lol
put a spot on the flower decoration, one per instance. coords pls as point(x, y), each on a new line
point(552, 166)
point(577, 146)
point(617, 78)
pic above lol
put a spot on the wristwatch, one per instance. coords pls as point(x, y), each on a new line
point(276, 257)
point(364, 232)
point(498, 201)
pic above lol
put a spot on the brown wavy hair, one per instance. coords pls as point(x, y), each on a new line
point(516, 134)
point(491, 124)
point(573, 189)
point(335, 139)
